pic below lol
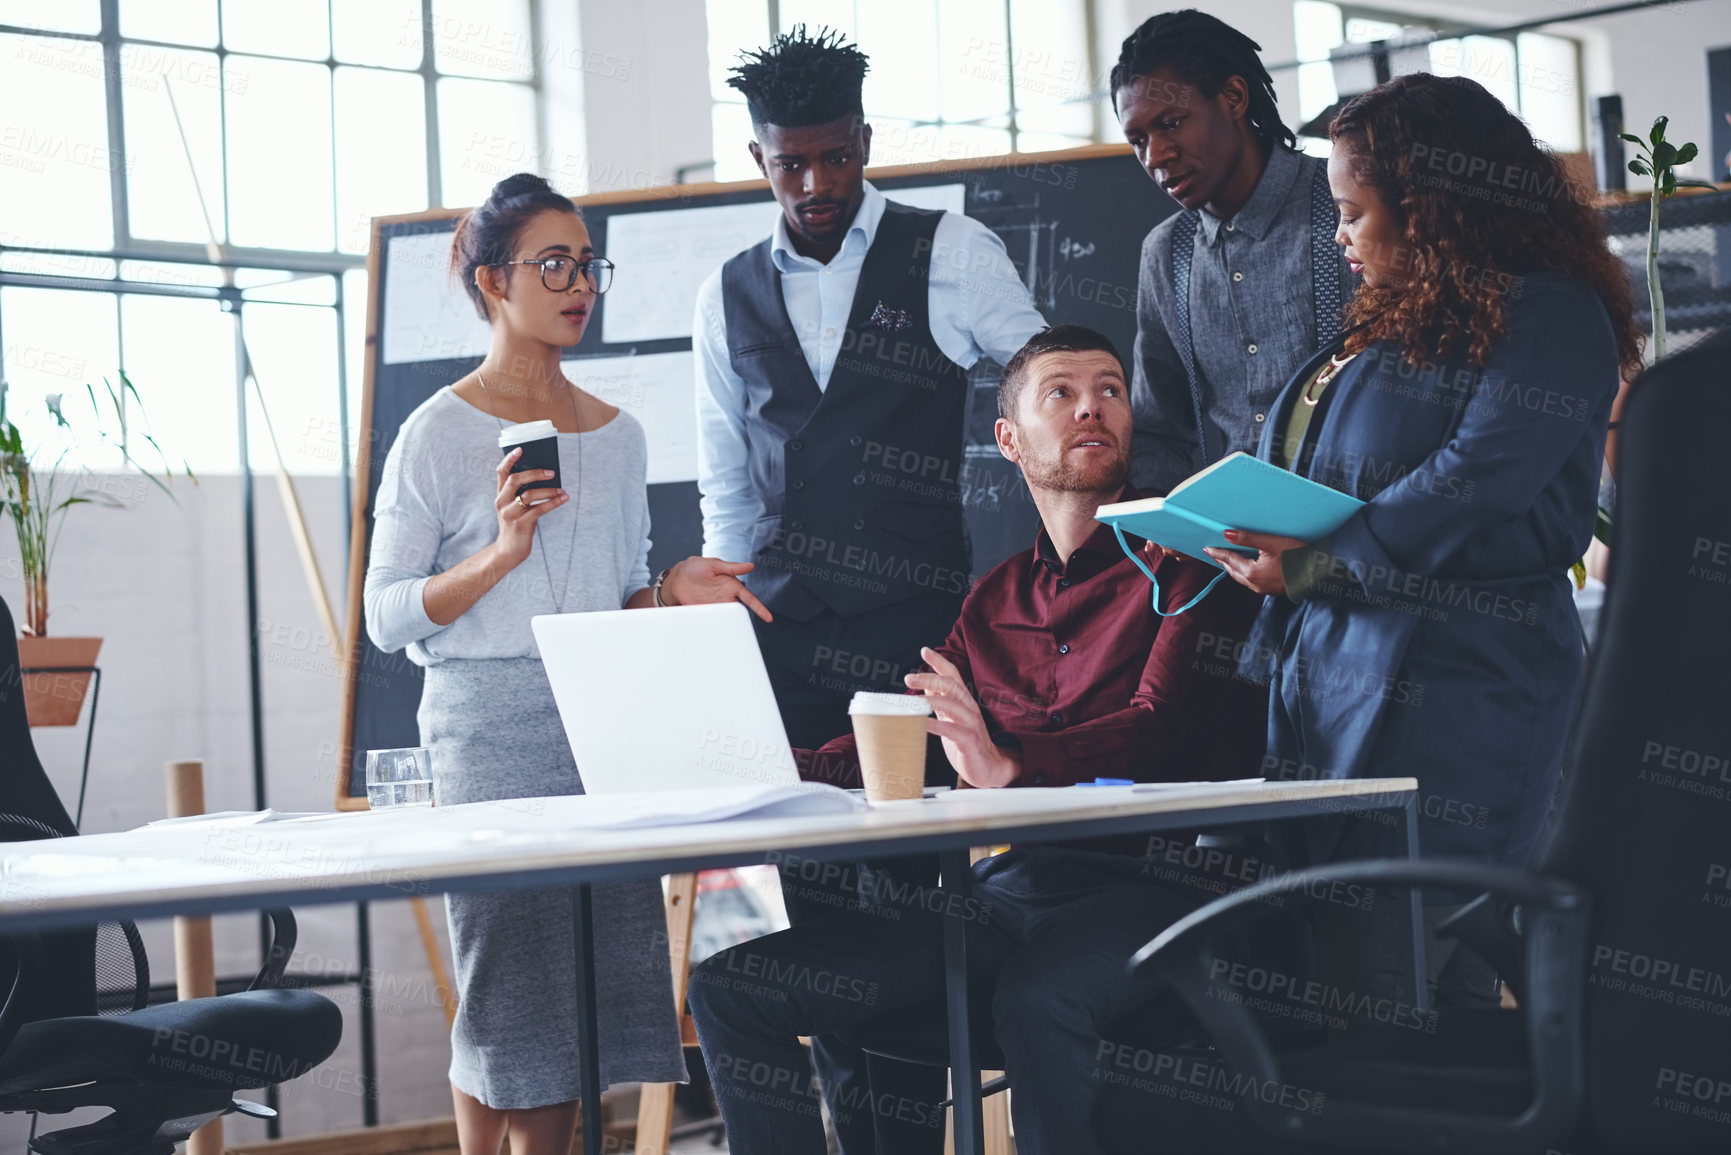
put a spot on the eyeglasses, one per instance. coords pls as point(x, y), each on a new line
point(560, 273)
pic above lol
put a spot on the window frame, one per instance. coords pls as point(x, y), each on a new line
point(332, 263)
point(1453, 28)
point(1006, 120)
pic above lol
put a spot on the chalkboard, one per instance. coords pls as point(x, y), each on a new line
point(1073, 223)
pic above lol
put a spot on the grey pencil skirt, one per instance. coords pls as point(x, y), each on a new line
point(495, 734)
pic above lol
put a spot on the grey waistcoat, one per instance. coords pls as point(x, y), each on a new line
point(860, 481)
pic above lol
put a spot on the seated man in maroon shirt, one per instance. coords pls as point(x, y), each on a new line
point(1057, 672)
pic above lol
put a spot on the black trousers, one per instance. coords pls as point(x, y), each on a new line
point(815, 667)
point(1049, 932)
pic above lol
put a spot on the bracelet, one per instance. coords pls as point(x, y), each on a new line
point(655, 588)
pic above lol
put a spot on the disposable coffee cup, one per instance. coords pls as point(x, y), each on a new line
point(890, 731)
point(540, 444)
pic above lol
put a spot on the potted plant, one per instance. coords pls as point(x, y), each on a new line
point(38, 486)
point(1658, 159)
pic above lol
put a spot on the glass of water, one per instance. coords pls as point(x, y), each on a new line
point(400, 777)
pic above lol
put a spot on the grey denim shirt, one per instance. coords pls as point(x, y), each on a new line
point(1252, 316)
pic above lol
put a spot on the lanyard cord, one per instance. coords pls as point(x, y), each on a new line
point(1141, 565)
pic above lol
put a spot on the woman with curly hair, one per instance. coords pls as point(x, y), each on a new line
point(1433, 635)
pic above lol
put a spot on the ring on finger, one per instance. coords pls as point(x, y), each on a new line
point(521, 502)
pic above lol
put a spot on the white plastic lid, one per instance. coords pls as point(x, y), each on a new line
point(899, 705)
point(527, 431)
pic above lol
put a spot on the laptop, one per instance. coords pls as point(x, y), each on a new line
point(665, 699)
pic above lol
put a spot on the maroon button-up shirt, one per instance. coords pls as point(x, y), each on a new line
point(1070, 662)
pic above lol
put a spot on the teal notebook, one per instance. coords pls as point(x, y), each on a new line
point(1237, 492)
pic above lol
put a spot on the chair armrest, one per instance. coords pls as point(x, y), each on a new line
point(282, 945)
point(1252, 902)
point(1556, 945)
point(26, 977)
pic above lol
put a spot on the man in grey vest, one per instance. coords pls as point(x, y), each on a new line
point(832, 391)
point(1239, 288)
point(832, 386)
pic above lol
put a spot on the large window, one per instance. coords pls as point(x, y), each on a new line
point(1538, 76)
point(132, 132)
point(949, 79)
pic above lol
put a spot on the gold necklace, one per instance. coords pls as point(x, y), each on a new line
point(1329, 371)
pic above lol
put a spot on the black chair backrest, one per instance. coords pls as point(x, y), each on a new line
point(69, 974)
point(1644, 819)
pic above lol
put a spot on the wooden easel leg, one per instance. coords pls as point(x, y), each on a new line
point(655, 1106)
point(995, 1114)
point(435, 961)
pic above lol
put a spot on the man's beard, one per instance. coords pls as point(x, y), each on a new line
point(1064, 476)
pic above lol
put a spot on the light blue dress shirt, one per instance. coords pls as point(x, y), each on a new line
point(979, 307)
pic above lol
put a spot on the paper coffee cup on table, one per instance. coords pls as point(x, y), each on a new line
point(540, 444)
point(890, 731)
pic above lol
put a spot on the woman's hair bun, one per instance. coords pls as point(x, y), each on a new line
point(487, 234)
point(520, 184)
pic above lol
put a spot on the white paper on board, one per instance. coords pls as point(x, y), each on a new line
point(665, 256)
point(426, 314)
point(658, 389)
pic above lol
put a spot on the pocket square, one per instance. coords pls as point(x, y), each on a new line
point(888, 319)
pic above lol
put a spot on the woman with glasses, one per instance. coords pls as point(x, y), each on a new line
point(464, 553)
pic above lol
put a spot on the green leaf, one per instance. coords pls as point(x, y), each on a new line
point(1670, 184)
point(1633, 137)
point(1664, 155)
point(1687, 153)
point(1639, 168)
point(1657, 136)
point(1698, 184)
point(1579, 569)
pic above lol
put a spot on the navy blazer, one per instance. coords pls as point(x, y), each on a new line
point(1434, 635)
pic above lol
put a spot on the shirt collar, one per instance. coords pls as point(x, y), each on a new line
point(1102, 541)
point(1257, 215)
point(860, 234)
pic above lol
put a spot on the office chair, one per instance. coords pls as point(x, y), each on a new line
point(163, 1071)
point(1617, 942)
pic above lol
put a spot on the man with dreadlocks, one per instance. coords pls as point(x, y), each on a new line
point(1239, 288)
point(832, 387)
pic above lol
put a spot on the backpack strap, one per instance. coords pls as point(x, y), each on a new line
point(1324, 258)
point(1183, 254)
